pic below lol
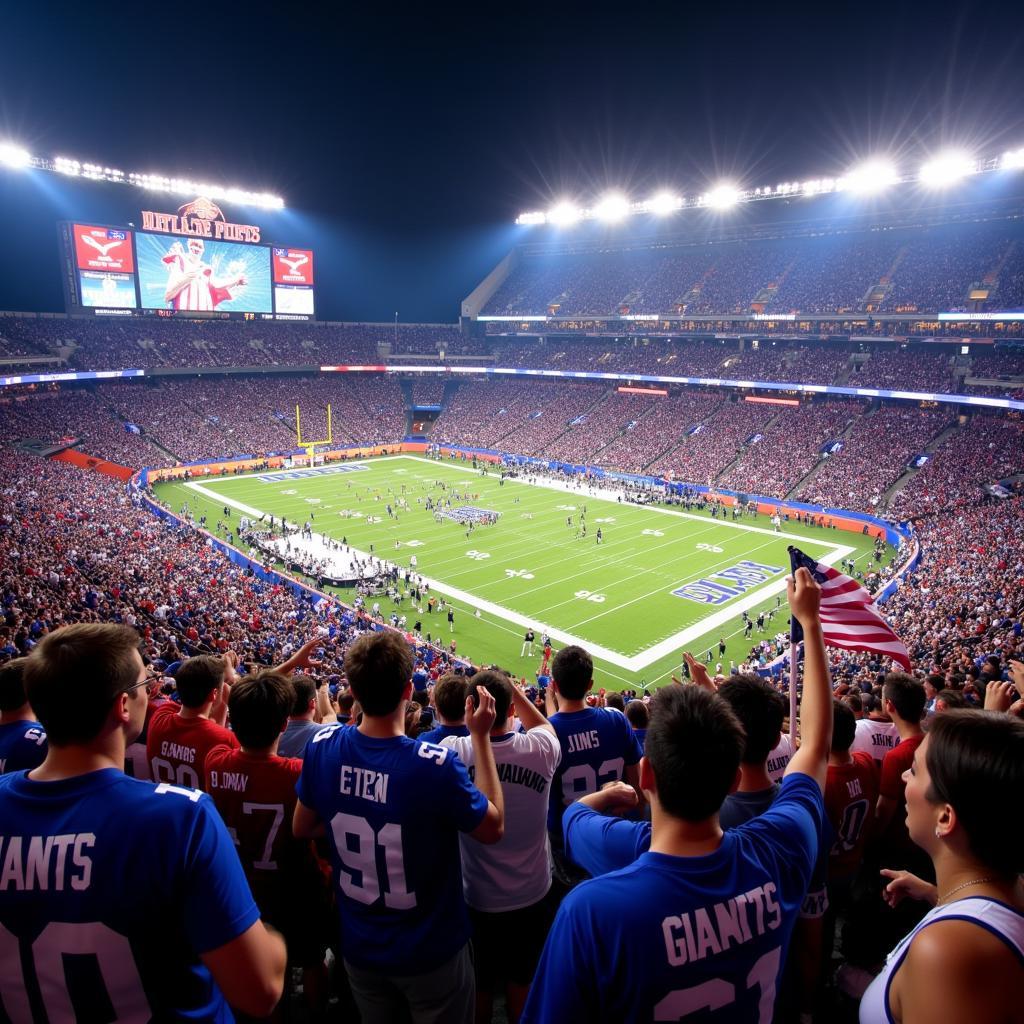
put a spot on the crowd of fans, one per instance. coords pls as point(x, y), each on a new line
point(928, 269)
point(788, 448)
point(987, 449)
point(256, 695)
point(138, 424)
point(906, 370)
point(660, 428)
point(131, 342)
point(874, 454)
point(705, 452)
point(697, 435)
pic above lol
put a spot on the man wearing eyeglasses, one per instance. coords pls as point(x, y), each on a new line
point(115, 892)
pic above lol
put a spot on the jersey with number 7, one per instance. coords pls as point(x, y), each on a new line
point(255, 794)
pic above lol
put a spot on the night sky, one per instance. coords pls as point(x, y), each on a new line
point(406, 140)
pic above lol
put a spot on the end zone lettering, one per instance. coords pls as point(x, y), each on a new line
point(739, 578)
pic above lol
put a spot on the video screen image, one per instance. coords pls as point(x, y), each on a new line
point(112, 291)
point(293, 300)
point(106, 249)
point(293, 266)
point(201, 275)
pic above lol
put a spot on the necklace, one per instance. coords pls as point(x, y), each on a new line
point(975, 881)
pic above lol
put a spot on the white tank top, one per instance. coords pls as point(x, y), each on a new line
point(1003, 921)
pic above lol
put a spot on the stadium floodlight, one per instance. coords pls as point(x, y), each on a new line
point(612, 207)
point(1013, 160)
point(14, 156)
point(663, 203)
point(871, 176)
point(533, 217)
point(722, 196)
point(564, 213)
point(946, 169)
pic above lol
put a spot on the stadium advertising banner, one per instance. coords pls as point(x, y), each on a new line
point(192, 263)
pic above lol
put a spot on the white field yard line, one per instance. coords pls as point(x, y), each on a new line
point(554, 485)
point(502, 614)
point(631, 664)
point(682, 581)
point(461, 595)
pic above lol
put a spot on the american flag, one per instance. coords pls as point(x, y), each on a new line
point(849, 618)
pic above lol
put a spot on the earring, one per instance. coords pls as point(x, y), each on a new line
point(938, 834)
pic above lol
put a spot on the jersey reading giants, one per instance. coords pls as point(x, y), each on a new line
point(597, 746)
point(393, 810)
point(110, 888)
point(672, 938)
point(177, 747)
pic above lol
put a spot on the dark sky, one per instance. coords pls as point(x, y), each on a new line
point(406, 139)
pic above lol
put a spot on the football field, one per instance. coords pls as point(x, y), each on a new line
point(662, 580)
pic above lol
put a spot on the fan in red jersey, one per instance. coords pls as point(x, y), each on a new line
point(254, 790)
point(180, 738)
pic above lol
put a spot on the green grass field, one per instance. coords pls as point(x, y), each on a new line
point(532, 569)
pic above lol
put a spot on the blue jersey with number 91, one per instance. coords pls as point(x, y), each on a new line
point(393, 809)
point(110, 887)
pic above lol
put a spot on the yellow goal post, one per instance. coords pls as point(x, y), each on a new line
point(308, 444)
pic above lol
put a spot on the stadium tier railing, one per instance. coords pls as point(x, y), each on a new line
point(977, 401)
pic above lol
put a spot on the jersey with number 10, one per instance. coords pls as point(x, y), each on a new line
point(597, 746)
point(393, 810)
point(110, 887)
point(685, 938)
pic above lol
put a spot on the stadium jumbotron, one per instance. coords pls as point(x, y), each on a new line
point(627, 628)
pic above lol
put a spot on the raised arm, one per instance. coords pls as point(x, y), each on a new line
point(527, 713)
point(816, 706)
point(479, 721)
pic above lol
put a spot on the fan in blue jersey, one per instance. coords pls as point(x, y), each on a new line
point(393, 809)
point(22, 738)
point(598, 744)
point(599, 845)
point(700, 924)
point(450, 702)
point(119, 898)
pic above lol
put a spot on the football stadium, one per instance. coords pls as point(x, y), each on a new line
point(628, 628)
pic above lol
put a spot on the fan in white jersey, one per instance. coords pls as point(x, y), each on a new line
point(190, 283)
point(508, 885)
point(965, 960)
point(875, 737)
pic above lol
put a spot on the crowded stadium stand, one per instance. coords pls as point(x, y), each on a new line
point(929, 268)
point(923, 470)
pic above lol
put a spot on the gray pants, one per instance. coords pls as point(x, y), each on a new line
point(445, 995)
